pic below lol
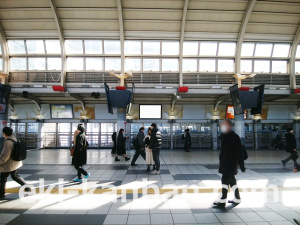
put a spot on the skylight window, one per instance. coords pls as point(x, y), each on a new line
point(247, 49)
point(74, 47)
point(93, 47)
point(208, 48)
point(263, 49)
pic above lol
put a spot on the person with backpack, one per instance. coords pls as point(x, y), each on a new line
point(231, 156)
point(121, 141)
point(149, 155)
point(139, 146)
point(187, 140)
point(291, 145)
point(80, 154)
point(114, 139)
point(8, 166)
point(155, 146)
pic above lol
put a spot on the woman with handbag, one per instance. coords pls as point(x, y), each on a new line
point(149, 155)
point(121, 141)
point(80, 154)
point(291, 145)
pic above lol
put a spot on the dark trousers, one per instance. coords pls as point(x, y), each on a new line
point(80, 171)
point(137, 154)
point(230, 181)
point(14, 175)
point(155, 153)
point(291, 158)
point(114, 149)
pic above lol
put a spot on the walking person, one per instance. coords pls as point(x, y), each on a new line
point(114, 139)
point(140, 146)
point(231, 156)
point(76, 132)
point(155, 146)
point(187, 140)
point(7, 165)
point(121, 141)
point(290, 147)
point(149, 155)
point(80, 154)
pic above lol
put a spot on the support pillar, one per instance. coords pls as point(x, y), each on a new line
point(214, 130)
point(239, 123)
point(3, 122)
point(40, 136)
point(255, 134)
point(297, 132)
point(172, 136)
point(121, 119)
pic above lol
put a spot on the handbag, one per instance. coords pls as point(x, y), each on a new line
point(72, 151)
point(245, 153)
point(294, 155)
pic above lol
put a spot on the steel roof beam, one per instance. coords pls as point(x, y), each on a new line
point(242, 32)
point(221, 99)
point(62, 41)
point(293, 51)
point(5, 54)
point(184, 12)
point(30, 97)
point(121, 29)
point(80, 99)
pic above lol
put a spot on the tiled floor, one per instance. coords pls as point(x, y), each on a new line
point(270, 193)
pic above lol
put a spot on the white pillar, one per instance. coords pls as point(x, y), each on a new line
point(214, 130)
point(255, 134)
point(171, 136)
point(3, 122)
point(297, 132)
point(121, 119)
point(239, 124)
point(40, 136)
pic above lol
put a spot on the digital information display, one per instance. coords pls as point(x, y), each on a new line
point(61, 111)
point(150, 111)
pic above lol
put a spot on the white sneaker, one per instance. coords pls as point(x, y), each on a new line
point(154, 172)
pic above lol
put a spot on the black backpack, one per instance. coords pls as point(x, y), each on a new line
point(136, 143)
point(19, 152)
point(182, 137)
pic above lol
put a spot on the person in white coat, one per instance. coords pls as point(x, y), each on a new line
point(7, 165)
point(149, 155)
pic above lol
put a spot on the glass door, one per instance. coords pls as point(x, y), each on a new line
point(93, 134)
point(64, 136)
point(49, 135)
point(107, 130)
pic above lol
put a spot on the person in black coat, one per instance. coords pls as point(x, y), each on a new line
point(155, 144)
point(80, 155)
point(187, 140)
point(141, 148)
point(290, 147)
point(231, 156)
point(121, 141)
point(114, 139)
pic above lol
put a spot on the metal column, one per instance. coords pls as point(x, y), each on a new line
point(121, 119)
point(3, 122)
point(171, 136)
point(239, 123)
point(39, 138)
point(297, 132)
point(214, 130)
point(255, 134)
